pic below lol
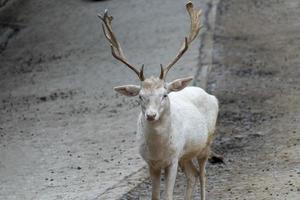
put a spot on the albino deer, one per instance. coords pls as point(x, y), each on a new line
point(176, 123)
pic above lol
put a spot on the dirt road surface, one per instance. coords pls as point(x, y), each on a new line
point(64, 133)
point(256, 79)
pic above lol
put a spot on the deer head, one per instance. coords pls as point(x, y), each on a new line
point(153, 92)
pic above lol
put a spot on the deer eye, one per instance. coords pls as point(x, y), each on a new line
point(165, 96)
point(141, 98)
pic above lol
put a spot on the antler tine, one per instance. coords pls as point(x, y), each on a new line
point(116, 49)
point(194, 30)
point(195, 21)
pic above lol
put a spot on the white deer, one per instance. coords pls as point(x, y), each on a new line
point(176, 123)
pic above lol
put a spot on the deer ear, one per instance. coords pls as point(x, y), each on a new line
point(179, 84)
point(128, 90)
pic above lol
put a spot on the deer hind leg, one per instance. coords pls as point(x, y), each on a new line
point(191, 173)
point(202, 162)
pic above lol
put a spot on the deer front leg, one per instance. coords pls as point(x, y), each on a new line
point(155, 178)
point(170, 172)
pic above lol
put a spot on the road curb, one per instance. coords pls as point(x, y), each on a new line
point(3, 3)
point(205, 65)
point(8, 28)
point(126, 185)
point(206, 47)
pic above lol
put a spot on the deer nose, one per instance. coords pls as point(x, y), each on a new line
point(151, 117)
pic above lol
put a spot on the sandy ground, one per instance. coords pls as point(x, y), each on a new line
point(64, 133)
point(256, 78)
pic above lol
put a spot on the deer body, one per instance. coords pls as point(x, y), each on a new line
point(183, 132)
point(176, 123)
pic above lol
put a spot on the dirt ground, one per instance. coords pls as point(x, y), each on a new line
point(64, 133)
point(256, 79)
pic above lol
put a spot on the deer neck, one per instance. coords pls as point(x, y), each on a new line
point(157, 137)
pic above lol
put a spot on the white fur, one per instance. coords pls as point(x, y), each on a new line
point(182, 133)
point(192, 118)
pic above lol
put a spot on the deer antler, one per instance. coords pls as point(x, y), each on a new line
point(116, 49)
point(194, 30)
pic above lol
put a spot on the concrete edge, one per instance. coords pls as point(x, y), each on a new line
point(204, 67)
point(206, 48)
point(125, 185)
point(3, 3)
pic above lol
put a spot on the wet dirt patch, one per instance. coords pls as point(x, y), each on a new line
point(36, 63)
point(58, 94)
point(232, 38)
point(250, 72)
point(11, 103)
